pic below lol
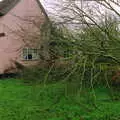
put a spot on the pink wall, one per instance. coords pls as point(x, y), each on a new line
point(11, 24)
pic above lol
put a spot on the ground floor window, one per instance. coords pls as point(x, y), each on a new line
point(30, 54)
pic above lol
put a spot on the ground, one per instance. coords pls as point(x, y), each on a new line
point(19, 101)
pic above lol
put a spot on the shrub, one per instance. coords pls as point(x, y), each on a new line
point(42, 75)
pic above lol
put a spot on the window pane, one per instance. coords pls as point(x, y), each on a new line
point(30, 54)
point(25, 53)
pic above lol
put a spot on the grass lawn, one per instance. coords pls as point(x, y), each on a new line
point(19, 101)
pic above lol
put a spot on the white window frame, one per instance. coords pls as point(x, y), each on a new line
point(27, 52)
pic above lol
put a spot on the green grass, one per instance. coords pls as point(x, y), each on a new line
point(20, 101)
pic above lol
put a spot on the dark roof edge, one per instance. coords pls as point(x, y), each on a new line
point(43, 10)
point(7, 9)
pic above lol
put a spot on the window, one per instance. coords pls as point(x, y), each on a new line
point(2, 34)
point(30, 54)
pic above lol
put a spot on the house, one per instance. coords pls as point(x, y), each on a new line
point(21, 37)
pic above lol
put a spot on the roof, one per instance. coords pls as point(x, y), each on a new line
point(7, 5)
point(43, 10)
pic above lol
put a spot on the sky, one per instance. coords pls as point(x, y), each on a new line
point(48, 4)
point(52, 10)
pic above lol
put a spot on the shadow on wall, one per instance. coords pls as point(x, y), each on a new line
point(12, 70)
point(8, 75)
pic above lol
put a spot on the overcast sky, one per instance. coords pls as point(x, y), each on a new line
point(50, 7)
point(52, 10)
point(48, 4)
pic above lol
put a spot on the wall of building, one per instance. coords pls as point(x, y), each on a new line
point(19, 25)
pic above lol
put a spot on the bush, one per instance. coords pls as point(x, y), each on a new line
point(42, 75)
point(32, 75)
